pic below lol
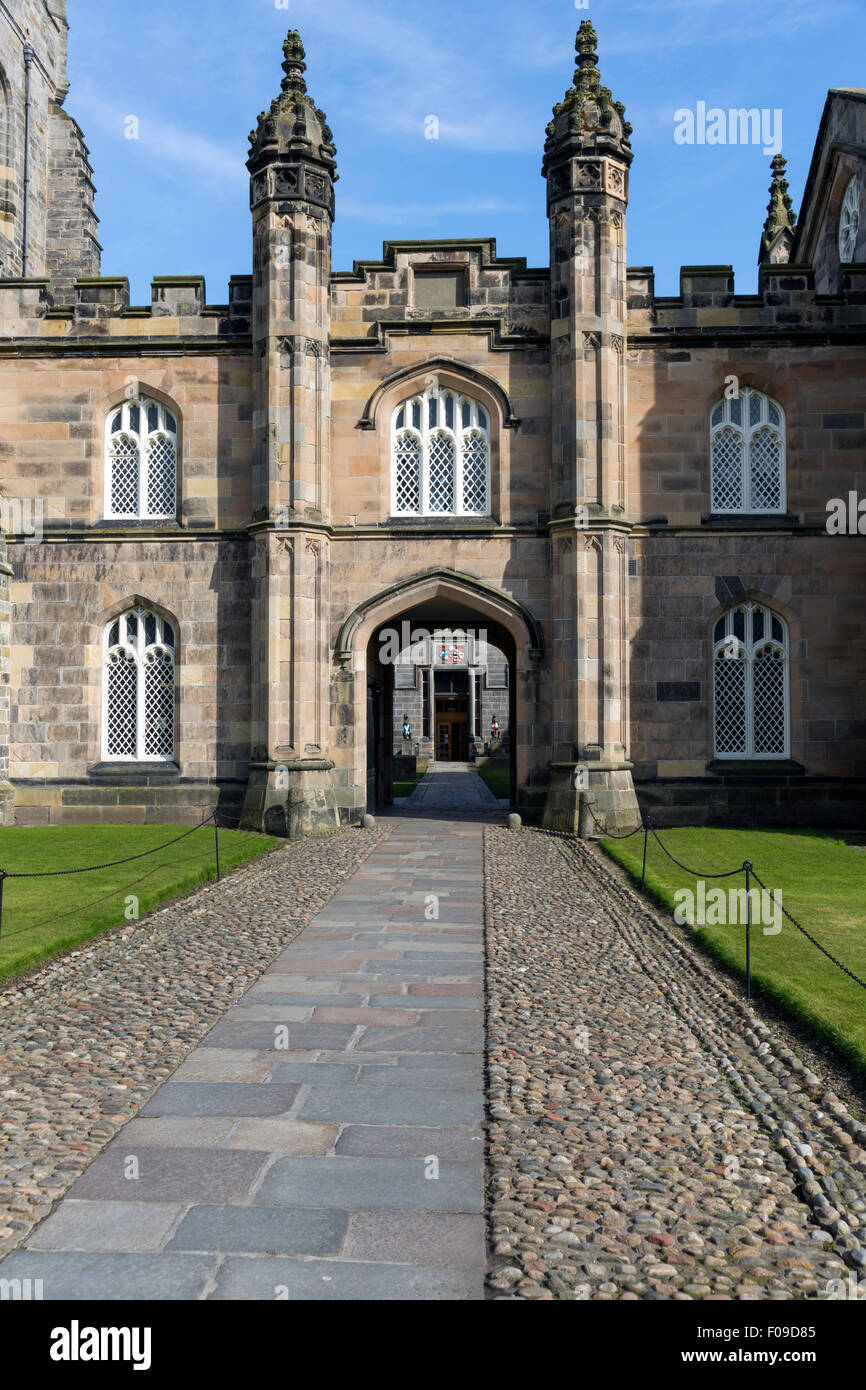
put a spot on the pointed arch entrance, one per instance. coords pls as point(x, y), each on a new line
point(430, 601)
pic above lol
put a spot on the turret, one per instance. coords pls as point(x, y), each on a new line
point(292, 176)
point(586, 164)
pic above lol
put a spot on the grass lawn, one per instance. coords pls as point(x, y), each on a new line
point(44, 915)
point(407, 788)
point(496, 773)
point(823, 885)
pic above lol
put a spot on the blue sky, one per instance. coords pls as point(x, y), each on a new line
point(197, 73)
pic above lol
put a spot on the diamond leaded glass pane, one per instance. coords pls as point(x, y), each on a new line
point(161, 467)
point(475, 474)
point(122, 707)
point(408, 475)
point(754, 410)
point(769, 702)
point(158, 705)
point(727, 472)
point(730, 704)
point(124, 476)
point(441, 474)
point(765, 458)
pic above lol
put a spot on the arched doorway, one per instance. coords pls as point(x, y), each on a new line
point(468, 609)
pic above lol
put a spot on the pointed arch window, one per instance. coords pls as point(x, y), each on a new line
point(141, 461)
point(747, 451)
point(750, 684)
point(139, 688)
point(440, 456)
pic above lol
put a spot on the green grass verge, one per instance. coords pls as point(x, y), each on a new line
point(496, 773)
point(822, 880)
point(407, 788)
point(42, 916)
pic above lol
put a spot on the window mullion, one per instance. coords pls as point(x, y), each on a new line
point(142, 474)
point(139, 703)
point(750, 706)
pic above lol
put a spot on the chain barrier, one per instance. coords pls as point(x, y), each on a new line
point(215, 815)
point(746, 868)
point(809, 937)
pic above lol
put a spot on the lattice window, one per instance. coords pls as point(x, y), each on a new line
point(440, 456)
point(475, 473)
point(727, 471)
point(747, 454)
point(407, 474)
point(124, 470)
point(441, 473)
point(139, 687)
point(750, 682)
point(141, 461)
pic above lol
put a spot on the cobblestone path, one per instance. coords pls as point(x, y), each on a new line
point(649, 1137)
point(85, 1040)
point(324, 1139)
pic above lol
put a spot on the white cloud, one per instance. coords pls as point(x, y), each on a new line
point(162, 143)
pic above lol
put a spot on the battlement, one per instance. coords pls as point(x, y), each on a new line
point(786, 299)
point(31, 309)
point(442, 281)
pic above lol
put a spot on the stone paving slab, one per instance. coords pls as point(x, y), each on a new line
point(259, 1230)
point(70, 1276)
point(325, 1136)
point(107, 1226)
point(342, 1281)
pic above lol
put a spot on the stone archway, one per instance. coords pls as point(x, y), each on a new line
point(444, 595)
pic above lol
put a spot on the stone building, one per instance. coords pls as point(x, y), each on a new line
point(215, 509)
point(451, 699)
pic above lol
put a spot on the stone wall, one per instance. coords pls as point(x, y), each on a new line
point(61, 222)
point(62, 596)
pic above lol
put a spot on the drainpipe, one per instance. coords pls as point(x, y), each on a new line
point(29, 55)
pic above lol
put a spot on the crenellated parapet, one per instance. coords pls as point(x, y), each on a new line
point(786, 301)
point(99, 306)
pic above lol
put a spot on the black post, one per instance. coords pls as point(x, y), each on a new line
point(748, 868)
point(2, 877)
point(216, 840)
point(645, 838)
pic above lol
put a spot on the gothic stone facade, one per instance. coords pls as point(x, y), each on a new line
point(600, 559)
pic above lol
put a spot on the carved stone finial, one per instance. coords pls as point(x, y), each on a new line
point(293, 127)
point(293, 63)
point(777, 239)
point(586, 46)
point(588, 115)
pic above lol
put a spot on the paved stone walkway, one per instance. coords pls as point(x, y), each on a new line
point(324, 1140)
point(452, 789)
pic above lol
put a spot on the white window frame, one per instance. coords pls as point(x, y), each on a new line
point(732, 648)
point(849, 221)
point(142, 439)
point(746, 431)
point(138, 648)
point(427, 433)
